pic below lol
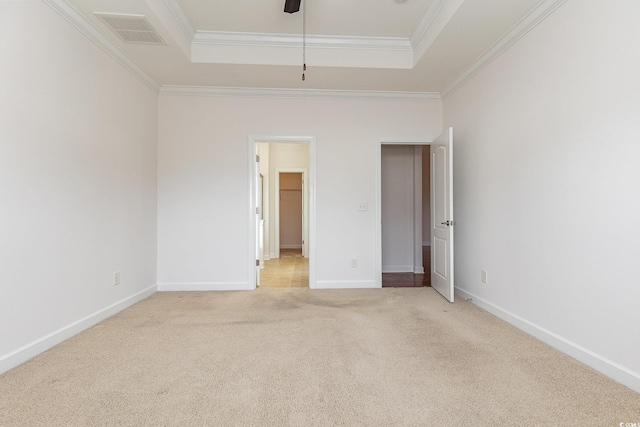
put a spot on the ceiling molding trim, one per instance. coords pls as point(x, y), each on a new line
point(297, 93)
point(426, 20)
point(181, 18)
point(174, 22)
point(295, 40)
point(538, 14)
point(73, 16)
point(436, 17)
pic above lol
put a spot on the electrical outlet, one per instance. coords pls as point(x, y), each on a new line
point(483, 276)
point(362, 206)
point(354, 262)
point(116, 278)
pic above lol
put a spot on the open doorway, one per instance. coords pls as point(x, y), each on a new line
point(289, 265)
point(290, 212)
point(405, 212)
point(284, 224)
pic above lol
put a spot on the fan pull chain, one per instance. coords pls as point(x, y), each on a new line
point(304, 38)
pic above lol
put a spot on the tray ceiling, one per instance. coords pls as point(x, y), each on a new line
point(385, 45)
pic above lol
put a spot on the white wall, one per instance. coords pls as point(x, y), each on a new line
point(547, 184)
point(203, 200)
point(77, 182)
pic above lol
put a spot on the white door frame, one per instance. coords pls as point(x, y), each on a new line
point(305, 209)
point(311, 212)
point(378, 147)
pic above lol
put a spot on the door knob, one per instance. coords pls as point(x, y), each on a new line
point(447, 223)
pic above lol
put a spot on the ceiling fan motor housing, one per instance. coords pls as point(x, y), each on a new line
point(292, 6)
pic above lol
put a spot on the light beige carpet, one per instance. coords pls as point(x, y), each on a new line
point(295, 357)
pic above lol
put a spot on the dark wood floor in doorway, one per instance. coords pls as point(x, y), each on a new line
point(410, 280)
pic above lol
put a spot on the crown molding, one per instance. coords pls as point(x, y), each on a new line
point(181, 18)
point(172, 17)
point(295, 40)
point(425, 22)
point(515, 33)
point(435, 18)
point(297, 93)
point(73, 16)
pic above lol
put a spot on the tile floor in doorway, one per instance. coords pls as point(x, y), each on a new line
point(291, 270)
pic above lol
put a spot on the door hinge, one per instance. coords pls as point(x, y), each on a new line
point(257, 158)
point(257, 263)
point(257, 211)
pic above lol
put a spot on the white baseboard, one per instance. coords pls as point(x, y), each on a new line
point(397, 268)
point(290, 246)
point(21, 355)
point(426, 243)
point(203, 286)
point(601, 364)
point(346, 284)
point(418, 270)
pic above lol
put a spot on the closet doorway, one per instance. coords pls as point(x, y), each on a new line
point(405, 211)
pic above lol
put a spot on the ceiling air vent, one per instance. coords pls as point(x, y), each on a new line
point(131, 28)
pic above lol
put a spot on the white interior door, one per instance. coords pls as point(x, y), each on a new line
point(442, 214)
